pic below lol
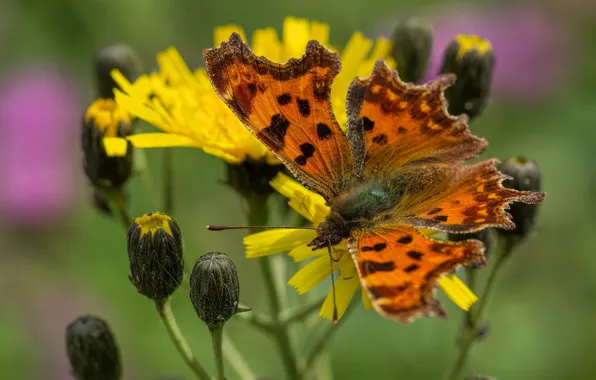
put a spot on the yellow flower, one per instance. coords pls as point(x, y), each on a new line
point(312, 206)
point(184, 105)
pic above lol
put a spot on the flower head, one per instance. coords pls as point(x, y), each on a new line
point(312, 206)
point(184, 105)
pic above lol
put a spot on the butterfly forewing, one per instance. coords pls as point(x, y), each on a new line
point(288, 108)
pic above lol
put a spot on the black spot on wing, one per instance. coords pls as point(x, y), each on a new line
point(284, 99)
point(303, 107)
point(275, 134)
point(411, 268)
point(369, 267)
point(367, 124)
point(323, 131)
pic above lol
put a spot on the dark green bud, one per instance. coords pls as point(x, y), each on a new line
point(252, 177)
point(214, 289)
point(412, 44)
point(487, 236)
point(104, 118)
point(120, 57)
point(525, 176)
point(155, 255)
point(471, 59)
point(92, 350)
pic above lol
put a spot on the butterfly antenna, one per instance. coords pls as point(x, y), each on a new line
point(331, 260)
point(223, 228)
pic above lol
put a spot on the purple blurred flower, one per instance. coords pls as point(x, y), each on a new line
point(39, 116)
point(531, 49)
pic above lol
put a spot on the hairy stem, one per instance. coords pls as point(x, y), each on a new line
point(475, 316)
point(236, 360)
point(257, 216)
point(216, 341)
point(164, 309)
point(115, 199)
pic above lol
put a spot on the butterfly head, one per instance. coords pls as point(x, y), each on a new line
point(331, 232)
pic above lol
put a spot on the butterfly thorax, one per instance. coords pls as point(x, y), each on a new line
point(360, 206)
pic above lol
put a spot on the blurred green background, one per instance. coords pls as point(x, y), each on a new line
point(70, 260)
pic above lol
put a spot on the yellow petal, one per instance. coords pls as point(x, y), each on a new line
point(296, 34)
point(309, 204)
point(344, 292)
point(355, 52)
point(223, 33)
point(319, 31)
point(121, 80)
point(311, 274)
point(136, 106)
point(160, 140)
point(276, 241)
point(457, 291)
point(115, 146)
point(265, 42)
point(302, 252)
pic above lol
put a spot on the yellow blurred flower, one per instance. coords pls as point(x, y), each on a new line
point(184, 105)
point(312, 206)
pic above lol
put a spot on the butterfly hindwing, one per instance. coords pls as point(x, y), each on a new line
point(288, 108)
point(399, 268)
point(468, 199)
point(392, 123)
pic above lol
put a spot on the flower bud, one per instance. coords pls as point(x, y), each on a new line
point(214, 289)
point(525, 176)
point(471, 59)
point(486, 236)
point(104, 118)
point(155, 255)
point(92, 350)
point(252, 177)
point(412, 43)
point(118, 56)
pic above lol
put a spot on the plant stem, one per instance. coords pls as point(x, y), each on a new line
point(168, 181)
point(216, 340)
point(301, 312)
point(475, 316)
point(115, 199)
point(164, 309)
point(236, 360)
point(257, 216)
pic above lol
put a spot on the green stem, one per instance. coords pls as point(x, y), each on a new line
point(321, 340)
point(115, 199)
point(475, 316)
point(236, 360)
point(257, 216)
point(216, 341)
point(299, 313)
point(168, 181)
point(164, 309)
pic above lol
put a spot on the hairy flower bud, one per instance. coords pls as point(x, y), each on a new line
point(104, 118)
point(471, 59)
point(214, 289)
point(155, 255)
point(92, 350)
point(252, 177)
point(525, 177)
point(412, 43)
point(118, 56)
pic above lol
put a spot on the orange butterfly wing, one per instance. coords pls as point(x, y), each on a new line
point(399, 268)
point(288, 108)
point(392, 123)
point(468, 199)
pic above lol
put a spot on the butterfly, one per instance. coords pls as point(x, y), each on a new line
point(398, 167)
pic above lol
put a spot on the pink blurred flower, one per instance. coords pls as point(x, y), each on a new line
point(532, 54)
point(39, 116)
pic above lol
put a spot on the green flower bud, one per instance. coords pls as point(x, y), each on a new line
point(104, 118)
point(471, 59)
point(252, 177)
point(155, 255)
point(412, 44)
point(121, 57)
point(525, 176)
point(92, 350)
point(214, 289)
point(487, 236)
